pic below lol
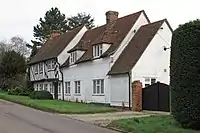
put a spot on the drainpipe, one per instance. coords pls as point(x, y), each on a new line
point(62, 76)
point(129, 89)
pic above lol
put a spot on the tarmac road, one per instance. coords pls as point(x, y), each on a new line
point(15, 118)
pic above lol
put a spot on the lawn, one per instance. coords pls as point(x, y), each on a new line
point(57, 106)
point(152, 124)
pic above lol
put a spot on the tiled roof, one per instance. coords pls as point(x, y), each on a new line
point(134, 50)
point(53, 47)
point(112, 33)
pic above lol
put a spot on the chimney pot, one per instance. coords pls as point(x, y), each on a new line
point(111, 16)
point(54, 35)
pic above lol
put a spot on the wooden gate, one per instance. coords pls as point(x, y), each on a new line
point(156, 97)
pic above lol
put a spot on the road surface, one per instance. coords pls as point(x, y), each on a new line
point(15, 118)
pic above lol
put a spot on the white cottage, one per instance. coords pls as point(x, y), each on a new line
point(99, 65)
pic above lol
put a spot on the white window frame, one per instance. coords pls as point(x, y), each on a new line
point(98, 87)
point(59, 88)
point(36, 69)
point(51, 88)
point(41, 67)
point(46, 87)
point(50, 65)
point(37, 87)
point(97, 50)
point(73, 57)
point(68, 87)
point(148, 81)
point(41, 87)
point(77, 87)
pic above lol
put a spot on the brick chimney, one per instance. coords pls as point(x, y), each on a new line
point(54, 35)
point(111, 16)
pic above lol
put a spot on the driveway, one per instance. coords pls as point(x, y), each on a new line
point(15, 118)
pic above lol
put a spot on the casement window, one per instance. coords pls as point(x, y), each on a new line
point(41, 87)
point(67, 87)
point(51, 88)
point(59, 88)
point(50, 65)
point(149, 81)
point(73, 57)
point(36, 69)
point(46, 87)
point(98, 86)
point(97, 50)
point(37, 88)
point(41, 68)
point(77, 87)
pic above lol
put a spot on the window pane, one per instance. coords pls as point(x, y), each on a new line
point(59, 87)
point(153, 80)
point(75, 86)
point(94, 86)
point(147, 79)
point(67, 87)
point(46, 87)
point(102, 86)
point(98, 89)
point(98, 82)
point(97, 50)
point(79, 89)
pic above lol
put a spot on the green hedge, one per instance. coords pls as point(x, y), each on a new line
point(185, 74)
point(19, 91)
point(41, 95)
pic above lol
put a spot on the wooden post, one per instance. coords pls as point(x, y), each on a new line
point(137, 96)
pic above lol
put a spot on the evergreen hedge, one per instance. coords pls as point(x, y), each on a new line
point(41, 95)
point(185, 74)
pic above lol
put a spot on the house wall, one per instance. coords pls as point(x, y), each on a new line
point(119, 90)
point(47, 74)
point(98, 69)
point(47, 82)
point(155, 60)
point(141, 21)
point(86, 73)
point(62, 57)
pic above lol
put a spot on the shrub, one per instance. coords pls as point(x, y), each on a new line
point(41, 95)
point(19, 91)
point(185, 74)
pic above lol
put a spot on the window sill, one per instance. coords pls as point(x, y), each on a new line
point(98, 95)
point(67, 94)
point(77, 94)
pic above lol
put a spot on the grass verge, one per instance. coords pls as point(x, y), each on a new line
point(152, 124)
point(57, 106)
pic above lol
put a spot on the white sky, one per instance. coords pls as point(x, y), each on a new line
point(19, 16)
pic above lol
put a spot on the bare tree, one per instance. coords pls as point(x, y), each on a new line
point(17, 44)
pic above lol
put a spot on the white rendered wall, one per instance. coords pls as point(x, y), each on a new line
point(154, 62)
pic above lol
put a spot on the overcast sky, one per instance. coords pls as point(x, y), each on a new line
point(17, 17)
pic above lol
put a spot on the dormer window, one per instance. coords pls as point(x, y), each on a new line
point(97, 50)
point(73, 57)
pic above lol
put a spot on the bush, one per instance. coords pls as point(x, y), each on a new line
point(19, 91)
point(185, 74)
point(41, 95)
